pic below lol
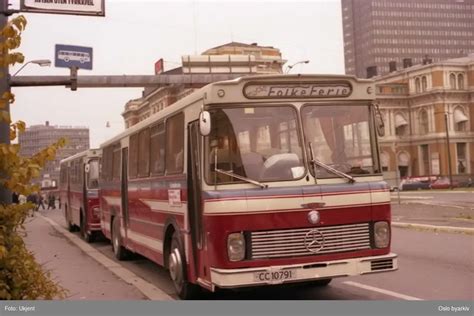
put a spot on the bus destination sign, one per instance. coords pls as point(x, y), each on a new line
point(306, 90)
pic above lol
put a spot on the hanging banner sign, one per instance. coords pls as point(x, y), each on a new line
point(74, 7)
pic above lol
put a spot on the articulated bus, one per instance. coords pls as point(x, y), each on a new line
point(79, 193)
point(261, 180)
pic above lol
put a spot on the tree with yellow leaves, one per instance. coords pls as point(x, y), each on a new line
point(21, 277)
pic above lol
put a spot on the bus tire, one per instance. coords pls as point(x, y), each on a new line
point(88, 237)
point(70, 227)
point(178, 272)
point(119, 250)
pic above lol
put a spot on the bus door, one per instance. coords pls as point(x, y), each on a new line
point(124, 188)
point(195, 196)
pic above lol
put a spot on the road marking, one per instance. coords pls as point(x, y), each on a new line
point(148, 289)
point(386, 292)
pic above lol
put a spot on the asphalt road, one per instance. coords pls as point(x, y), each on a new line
point(433, 266)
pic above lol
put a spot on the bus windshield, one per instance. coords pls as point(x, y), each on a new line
point(93, 174)
point(340, 138)
point(258, 143)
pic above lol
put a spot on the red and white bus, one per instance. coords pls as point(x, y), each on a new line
point(79, 186)
point(255, 181)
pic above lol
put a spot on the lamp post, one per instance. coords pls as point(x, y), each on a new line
point(289, 67)
point(449, 152)
point(40, 62)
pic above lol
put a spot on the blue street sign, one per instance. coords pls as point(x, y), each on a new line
point(68, 56)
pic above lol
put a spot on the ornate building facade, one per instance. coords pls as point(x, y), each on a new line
point(234, 57)
point(423, 106)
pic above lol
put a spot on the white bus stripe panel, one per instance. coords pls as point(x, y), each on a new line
point(113, 200)
point(146, 241)
point(162, 206)
point(265, 205)
point(381, 197)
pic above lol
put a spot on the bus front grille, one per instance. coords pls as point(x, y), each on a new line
point(309, 241)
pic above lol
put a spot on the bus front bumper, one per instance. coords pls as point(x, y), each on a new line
point(233, 278)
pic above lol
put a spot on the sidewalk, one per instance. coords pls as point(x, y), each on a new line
point(82, 276)
point(424, 213)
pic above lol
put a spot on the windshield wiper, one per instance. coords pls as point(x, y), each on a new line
point(231, 174)
point(318, 163)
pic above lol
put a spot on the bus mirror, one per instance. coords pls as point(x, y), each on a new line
point(379, 124)
point(205, 123)
point(86, 168)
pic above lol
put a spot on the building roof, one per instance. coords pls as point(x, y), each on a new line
point(237, 44)
point(461, 60)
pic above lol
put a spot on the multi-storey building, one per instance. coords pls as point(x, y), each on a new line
point(38, 137)
point(404, 32)
point(231, 58)
point(423, 106)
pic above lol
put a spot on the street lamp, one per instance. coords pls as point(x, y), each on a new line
point(450, 173)
point(40, 62)
point(291, 66)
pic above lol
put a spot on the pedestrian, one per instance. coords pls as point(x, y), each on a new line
point(59, 202)
point(51, 202)
point(40, 202)
point(15, 198)
point(22, 199)
point(469, 182)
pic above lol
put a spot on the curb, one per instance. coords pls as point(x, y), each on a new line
point(434, 228)
point(146, 288)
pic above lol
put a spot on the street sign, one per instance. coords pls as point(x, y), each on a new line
point(68, 56)
point(75, 7)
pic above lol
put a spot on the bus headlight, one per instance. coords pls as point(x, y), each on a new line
point(236, 246)
point(381, 234)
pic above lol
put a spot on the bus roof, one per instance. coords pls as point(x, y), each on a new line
point(93, 152)
point(237, 90)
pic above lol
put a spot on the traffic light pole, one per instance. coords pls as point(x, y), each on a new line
point(5, 194)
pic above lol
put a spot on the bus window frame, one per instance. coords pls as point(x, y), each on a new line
point(373, 141)
point(184, 129)
point(299, 129)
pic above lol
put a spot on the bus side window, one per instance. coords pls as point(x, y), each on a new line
point(175, 144)
point(157, 150)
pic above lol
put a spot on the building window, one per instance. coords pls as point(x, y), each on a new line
point(417, 85)
point(461, 155)
point(460, 120)
point(401, 125)
point(424, 125)
point(424, 84)
point(425, 160)
point(460, 82)
point(452, 81)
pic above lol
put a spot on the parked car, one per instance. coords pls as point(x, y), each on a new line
point(410, 184)
point(443, 183)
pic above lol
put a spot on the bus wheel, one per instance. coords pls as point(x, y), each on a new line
point(70, 226)
point(88, 237)
point(177, 271)
point(119, 251)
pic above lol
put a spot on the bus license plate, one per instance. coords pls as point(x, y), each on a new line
point(275, 276)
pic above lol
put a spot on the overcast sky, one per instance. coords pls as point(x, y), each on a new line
point(134, 34)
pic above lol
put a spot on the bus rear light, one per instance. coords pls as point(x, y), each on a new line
point(381, 234)
point(236, 246)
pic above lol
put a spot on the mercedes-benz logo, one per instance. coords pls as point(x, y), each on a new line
point(314, 241)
